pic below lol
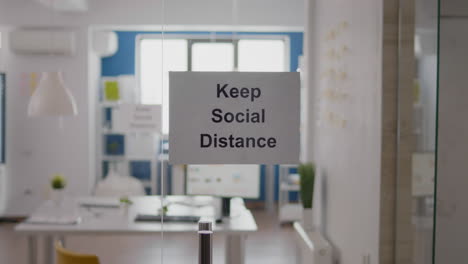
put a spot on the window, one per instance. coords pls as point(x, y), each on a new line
point(208, 56)
point(151, 56)
point(190, 54)
point(262, 55)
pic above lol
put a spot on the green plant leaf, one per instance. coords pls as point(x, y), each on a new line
point(58, 182)
point(307, 177)
point(125, 200)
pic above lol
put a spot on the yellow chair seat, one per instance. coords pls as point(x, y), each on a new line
point(65, 256)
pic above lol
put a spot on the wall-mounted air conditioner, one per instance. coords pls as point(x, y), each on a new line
point(105, 43)
point(42, 42)
point(66, 5)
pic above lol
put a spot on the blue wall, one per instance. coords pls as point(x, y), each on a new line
point(123, 63)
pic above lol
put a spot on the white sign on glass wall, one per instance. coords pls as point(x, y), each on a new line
point(234, 118)
point(137, 118)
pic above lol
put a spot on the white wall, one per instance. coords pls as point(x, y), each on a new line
point(346, 128)
point(148, 12)
point(35, 147)
point(3, 49)
point(452, 181)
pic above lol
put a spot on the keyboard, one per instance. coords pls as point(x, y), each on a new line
point(167, 218)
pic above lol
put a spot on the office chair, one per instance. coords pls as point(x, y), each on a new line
point(65, 256)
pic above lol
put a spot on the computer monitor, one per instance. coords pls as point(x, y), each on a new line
point(227, 180)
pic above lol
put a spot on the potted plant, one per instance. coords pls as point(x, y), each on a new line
point(307, 179)
point(163, 211)
point(125, 203)
point(58, 184)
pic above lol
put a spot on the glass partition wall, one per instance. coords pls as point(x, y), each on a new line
point(160, 50)
point(343, 122)
point(417, 125)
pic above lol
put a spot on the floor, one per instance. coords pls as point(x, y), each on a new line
point(272, 244)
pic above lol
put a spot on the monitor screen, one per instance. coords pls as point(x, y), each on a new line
point(228, 180)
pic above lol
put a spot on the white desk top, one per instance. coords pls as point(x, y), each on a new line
point(117, 221)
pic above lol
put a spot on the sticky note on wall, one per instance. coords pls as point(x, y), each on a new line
point(28, 83)
point(33, 80)
point(111, 91)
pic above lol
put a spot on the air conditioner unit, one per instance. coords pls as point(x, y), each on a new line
point(105, 43)
point(66, 5)
point(42, 42)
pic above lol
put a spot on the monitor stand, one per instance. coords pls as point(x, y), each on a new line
point(226, 207)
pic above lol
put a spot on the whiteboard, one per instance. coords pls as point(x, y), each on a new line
point(224, 180)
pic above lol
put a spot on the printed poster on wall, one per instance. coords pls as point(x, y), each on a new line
point(137, 118)
point(234, 117)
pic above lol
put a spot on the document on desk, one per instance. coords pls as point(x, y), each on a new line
point(99, 203)
point(51, 214)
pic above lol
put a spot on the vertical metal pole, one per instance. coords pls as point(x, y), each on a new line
point(270, 188)
point(226, 207)
point(235, 249)
point(205, 232)
point(62, 241)
point(298, 252)
point(49, 250)
point(32, 249)
point(166, 178)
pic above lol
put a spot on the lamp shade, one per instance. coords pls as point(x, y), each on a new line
point(51, 97)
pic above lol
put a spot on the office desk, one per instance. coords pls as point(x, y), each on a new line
point(117, 221)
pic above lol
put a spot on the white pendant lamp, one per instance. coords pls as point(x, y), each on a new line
point(51, 97)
